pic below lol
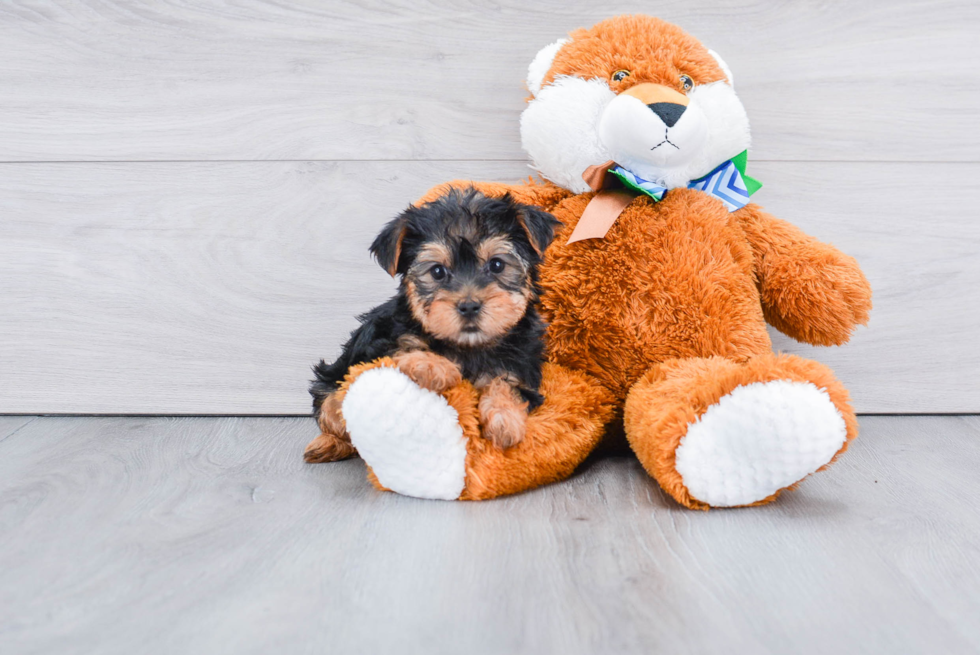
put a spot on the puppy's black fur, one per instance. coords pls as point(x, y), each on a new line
point(458, 223)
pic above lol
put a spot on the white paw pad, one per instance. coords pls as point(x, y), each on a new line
point(409, 436)
point(758, 439)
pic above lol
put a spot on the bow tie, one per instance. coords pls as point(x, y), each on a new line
point(728, 183)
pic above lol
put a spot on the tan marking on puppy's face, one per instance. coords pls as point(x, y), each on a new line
point(438, 315)
point(415, 303)
point(515, 270)
point(441, 317)
point(434, 253)
point(493, 247)
point(502, 310)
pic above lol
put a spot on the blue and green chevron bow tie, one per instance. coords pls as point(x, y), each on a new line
point(728, 182)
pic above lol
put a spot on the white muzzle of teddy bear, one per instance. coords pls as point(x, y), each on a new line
point(642, 141)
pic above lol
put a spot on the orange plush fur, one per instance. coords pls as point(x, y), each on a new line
point(668, 312)
point(651, 49)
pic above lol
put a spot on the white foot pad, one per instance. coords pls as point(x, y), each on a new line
point(758, 439)
point(409, 436)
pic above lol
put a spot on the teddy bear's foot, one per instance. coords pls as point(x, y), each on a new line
point(428, 445)
point(715, 433)
point(757, 440)
point(409, 436)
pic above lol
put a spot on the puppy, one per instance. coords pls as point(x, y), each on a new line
point(465, 309)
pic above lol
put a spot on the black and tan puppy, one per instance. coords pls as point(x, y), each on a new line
point(465, 308)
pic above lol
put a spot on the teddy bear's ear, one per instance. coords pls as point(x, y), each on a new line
point(539, 225)
point(541, 65)
point(387, 247)
point(724, 67)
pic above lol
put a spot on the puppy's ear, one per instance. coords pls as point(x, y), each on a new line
point(387, 246)
point(539, 225)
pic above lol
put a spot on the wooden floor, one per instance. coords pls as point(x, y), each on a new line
point(210, 535)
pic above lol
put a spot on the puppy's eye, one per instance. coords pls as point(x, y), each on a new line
point(620, 75)
point(496, 265)
point(438, 272)
point(687, 82)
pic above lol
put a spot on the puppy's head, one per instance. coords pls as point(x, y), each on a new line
point(468, 263)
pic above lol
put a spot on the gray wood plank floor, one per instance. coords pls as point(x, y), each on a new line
point(210, 535)
point(10, 424)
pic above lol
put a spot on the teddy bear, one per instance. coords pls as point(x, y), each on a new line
point(656, 290)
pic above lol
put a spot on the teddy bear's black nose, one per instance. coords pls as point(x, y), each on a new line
point(669, 112)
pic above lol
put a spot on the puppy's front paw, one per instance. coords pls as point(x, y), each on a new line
point(504, 428)
point(503, 415)
point(428, 370)
point(328, 448)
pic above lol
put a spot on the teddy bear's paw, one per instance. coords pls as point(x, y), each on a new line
point(757, 440)
point(409, 436)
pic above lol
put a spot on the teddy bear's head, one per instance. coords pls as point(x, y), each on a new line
point(636, 90)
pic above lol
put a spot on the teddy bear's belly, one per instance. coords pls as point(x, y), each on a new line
point(669, 280)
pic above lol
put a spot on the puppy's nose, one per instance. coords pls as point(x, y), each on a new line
point(669, 112)
point(469, 308)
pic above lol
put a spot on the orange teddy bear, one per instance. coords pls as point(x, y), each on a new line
point(657, 291)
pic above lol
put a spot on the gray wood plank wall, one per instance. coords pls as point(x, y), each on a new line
point(187, 189)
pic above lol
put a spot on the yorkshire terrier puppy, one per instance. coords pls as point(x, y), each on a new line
point(465, 309)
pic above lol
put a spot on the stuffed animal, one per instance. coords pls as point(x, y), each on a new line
point(657, 292)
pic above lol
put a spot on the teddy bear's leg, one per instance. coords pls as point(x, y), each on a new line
point(428, 445)
point(558, 436)
point(716, 433)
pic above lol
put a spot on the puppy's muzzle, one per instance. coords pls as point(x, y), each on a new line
point(469, 309)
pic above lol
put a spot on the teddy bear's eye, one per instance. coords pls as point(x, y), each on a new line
point(620, 75)
point(687, 82)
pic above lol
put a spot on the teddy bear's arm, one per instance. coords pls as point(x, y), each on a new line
point(810, 291)
point(544, 195)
